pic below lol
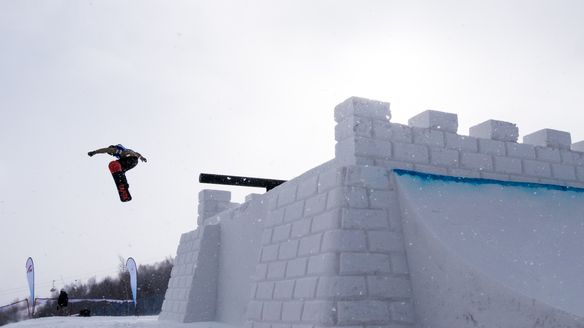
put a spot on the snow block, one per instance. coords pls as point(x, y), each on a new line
point(193, 281)
point(216, 195)
point(432, 119)
point(578, 146)
point(496, 130)
point(549, 138)
point(356, 106)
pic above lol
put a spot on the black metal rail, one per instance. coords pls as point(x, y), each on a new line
point(239, 181)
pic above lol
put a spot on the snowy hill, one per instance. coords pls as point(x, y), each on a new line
point(110, 322)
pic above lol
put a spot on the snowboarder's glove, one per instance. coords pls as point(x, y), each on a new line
point(143, 159)
point(91, 153)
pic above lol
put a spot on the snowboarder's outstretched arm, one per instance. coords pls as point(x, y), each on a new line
point(109, 150)
point(112, 150)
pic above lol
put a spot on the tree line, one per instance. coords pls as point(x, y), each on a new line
point(152, 284)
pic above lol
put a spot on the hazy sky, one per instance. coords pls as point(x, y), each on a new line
point(236, 87)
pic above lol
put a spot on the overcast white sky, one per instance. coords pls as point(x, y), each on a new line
point(236, 87)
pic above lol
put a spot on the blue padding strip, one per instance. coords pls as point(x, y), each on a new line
point(480, 181)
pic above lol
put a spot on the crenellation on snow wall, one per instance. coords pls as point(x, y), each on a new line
point(328, 248)
point(429, 143)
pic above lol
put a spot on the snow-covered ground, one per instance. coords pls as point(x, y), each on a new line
point(110, 322)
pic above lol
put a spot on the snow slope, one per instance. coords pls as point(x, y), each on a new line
point(110, 322)
point(494, 254)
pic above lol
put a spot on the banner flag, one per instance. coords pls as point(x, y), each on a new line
point(30, 278)
point(131, 266)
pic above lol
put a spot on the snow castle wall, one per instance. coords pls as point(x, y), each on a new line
point(328, 248)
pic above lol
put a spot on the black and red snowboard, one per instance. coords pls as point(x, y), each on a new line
point(120, 179)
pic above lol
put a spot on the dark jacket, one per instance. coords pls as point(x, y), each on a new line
point(63, 300)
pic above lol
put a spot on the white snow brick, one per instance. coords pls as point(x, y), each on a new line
point(507, 165)
point(353, 218)
point(364, 263)
point(277, 270)
point(326, 221)
point(564, 172)
point(347, 196)
point(265, 290)
point(454, 141)
point(261, 271)
point(288, 250)
point(394, 164)
point(435, 120)
point(491, 147)
point(411, 153)
point(307, 188)
point(252, 197)
point(301, 228)
point(305, 287)
point(319, 312)
point(356, 106)
point(272, 311)
point(281, 233)
point(297, 268)
point(362, 312)
point(389, 287)
point(428, 137)
point(536, 168)
point(267, 236)
point(402, 311)
point(523, 178)
point(310, 245)
point(287, 194)
point(283, 289)
point(381, 130)
point(344, 241)
point(520, 150)
point(331, 179)
point(315, 205)
point(385, 241)
point(353, 126)
point(292, 311)
point(571, 157)
point(580, 172)
point(495, 176)
point(368, 147)
point(347, 286)
point(216, 195)
point(323, 264)
point(294, 211)
point(431, 169)
point(254, 310)
point(251, 324)
point(548, 154)
point(549, 138)
point(578, 146)
point(400, 133)
point(270, 252)
point(496, 130)
point(476, 161)
point(380, 198)
point(275, 217)
point(368, 177)
point(444, 157)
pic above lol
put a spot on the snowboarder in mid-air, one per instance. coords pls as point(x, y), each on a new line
point(127, 159)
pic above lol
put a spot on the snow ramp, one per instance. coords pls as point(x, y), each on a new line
point(485, 253)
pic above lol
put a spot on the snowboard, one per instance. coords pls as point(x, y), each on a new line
point(120, 180)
